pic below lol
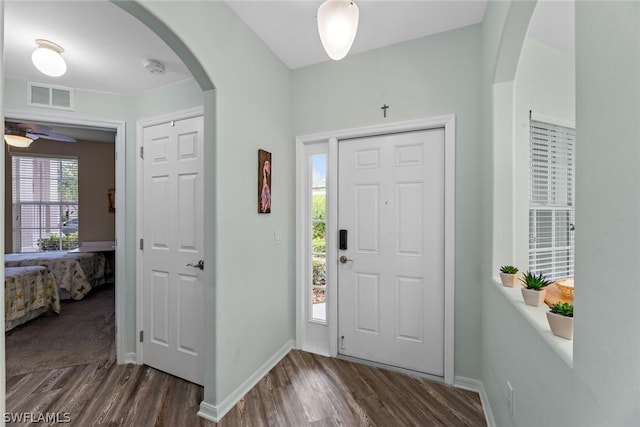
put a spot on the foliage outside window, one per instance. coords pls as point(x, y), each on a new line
point(551, 200)
point(318, 236)
point(45, 203)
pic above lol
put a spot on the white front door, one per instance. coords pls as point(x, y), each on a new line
point(173, 307)
point(391, 283)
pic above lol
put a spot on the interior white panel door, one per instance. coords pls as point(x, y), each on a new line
point(391, 284)
point(173, 308)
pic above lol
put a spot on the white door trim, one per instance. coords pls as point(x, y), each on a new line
point(119, 127)
point(140, 125)
point(448, 122)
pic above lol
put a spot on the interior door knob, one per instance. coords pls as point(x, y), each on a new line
point(199, 264)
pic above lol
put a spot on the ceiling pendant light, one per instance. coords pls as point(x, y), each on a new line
point(337, 25)
point(17, 138)
point(47, 58)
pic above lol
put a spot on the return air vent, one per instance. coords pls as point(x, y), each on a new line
point(46, 96)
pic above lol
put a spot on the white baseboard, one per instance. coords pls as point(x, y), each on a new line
point(130, 358)
point(208, 412)
point(478, 387)
point(318, 351)
point(216, 412)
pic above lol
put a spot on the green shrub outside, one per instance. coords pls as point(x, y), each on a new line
point(53, 241)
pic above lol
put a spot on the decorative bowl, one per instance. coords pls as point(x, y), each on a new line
point(566, 287)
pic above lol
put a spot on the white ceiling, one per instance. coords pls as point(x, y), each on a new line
point(104, 46)
point(290, 30)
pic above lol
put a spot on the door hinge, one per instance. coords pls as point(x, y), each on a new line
point(141, 336)
point(141, 244)
point(142, 152)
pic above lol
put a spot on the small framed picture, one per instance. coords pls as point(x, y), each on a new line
point(264, 181)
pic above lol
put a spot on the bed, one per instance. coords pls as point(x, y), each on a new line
point(75, 273)
point(28, 293)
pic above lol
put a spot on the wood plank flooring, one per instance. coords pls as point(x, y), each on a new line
point(302, 390)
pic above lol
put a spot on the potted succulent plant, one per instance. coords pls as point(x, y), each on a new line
point(509, 275)
point(561, 320)
point(533, 292)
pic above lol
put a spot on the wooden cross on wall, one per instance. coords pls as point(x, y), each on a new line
point(384, 108)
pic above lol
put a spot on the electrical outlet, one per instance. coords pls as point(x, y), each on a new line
point(277, 237)
point(510, 397)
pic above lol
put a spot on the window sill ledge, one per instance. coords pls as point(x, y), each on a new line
point(538, 319)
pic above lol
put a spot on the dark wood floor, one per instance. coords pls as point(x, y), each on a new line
point(302, 390)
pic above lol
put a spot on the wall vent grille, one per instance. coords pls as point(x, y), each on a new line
point(48, 96)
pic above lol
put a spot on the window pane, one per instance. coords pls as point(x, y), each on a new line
point(319, 306)
point(319, 170)
point(45, 203)
point(551, 193)
point(319, 270)
point(318, 236)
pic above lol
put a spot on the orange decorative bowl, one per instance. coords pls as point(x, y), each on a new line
point(566, 287)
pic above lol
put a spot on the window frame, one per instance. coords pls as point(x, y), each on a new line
point(16, 204)
point(311, 152)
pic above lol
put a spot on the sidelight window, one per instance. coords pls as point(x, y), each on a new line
point(318, 236)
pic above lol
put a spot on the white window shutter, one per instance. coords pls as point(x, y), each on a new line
point(551, 200)
point(44, 195)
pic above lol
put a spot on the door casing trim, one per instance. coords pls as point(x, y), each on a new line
point(332, 138)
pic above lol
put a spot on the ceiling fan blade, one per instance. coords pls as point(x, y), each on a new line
point(51, 137)
point(34, 128)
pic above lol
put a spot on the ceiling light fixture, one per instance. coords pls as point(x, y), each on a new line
point(337, 25)
point(47, 58)
point(17, 138)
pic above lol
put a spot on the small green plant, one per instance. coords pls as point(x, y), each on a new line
point(563, 309)
point(537, 282)
point(509, 269)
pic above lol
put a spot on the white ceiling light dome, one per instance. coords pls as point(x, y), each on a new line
point(337, 25)
point(47, 58)
point(17, 138)
point(18, 141)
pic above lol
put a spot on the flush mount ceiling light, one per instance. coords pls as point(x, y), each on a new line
point(48, 59)
point(17, 138)
point(337, 25)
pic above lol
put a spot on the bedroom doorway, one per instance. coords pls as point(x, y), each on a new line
point(107, 136)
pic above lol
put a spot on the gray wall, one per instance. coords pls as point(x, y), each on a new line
point(417, 79)
point(601, 388)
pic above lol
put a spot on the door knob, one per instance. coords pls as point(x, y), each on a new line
point(344, 259)
point(199, 264)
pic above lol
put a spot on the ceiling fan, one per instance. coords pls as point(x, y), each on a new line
point(34, 131)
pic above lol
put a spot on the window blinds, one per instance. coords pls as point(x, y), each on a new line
point(551, 200)
point(44, 195)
